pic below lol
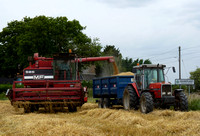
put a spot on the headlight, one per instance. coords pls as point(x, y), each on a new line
point(163, 93)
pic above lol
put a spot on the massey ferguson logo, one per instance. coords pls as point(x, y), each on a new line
point(37, 77)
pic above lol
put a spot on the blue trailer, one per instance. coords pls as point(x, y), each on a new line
point(110, 90)
point(145, 88)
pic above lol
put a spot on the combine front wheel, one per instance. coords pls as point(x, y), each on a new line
point(72, 108)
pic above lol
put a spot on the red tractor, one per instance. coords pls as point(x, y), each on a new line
point(150, 90)
point(51, 83)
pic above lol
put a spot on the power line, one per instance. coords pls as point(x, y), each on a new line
point(191, 47)
point(153, 55)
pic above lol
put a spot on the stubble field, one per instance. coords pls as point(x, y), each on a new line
point(92, 121)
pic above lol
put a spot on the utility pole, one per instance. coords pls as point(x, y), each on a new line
point(179, 49)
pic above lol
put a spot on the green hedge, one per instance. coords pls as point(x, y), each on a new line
point(4, 87)
point(3, 96)
point(194, 104)
point(87, 84)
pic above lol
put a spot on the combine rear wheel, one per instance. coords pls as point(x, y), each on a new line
point(130, 99)
point(181, 102)
point(146, 103)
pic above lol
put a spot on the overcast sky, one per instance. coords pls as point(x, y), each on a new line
point(144, 29)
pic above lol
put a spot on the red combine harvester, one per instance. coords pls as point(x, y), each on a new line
point(52, 82)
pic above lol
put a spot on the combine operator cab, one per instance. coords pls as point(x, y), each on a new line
point(65, 68)
point(150, 90)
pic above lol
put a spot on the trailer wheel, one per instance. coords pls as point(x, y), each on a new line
point(130, 99)
point(146, 103)
point(181, 102)
point(100, 103)
point(72, 108)
point(106, 103)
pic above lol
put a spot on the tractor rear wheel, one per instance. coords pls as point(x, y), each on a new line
point(130, 99)
point(146, 102)
point(181, 102)
point(106, 103)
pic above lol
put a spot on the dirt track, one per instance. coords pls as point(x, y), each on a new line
point(90, 120)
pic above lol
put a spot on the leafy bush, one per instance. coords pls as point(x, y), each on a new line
point(4, 87)
point(87, 84)
point(194, 104)
point(174, 87)
point(194, 101)
point(3, 96)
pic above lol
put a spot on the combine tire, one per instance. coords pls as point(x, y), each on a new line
point(146, 103)
point(181, 102)
point(27, 109)
point(72, 108)
point(106, 103)
point(130, 99)
point(100, 103)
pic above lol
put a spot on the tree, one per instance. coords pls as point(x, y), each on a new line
point(195, 75)
point(128, 63)
point(45, 35)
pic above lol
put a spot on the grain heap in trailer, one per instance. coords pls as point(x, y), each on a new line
point(51, 83)
point(145, 88)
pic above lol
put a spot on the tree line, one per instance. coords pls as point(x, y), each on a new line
point(48, 35)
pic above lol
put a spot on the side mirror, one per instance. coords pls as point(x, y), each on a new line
point(174, 70)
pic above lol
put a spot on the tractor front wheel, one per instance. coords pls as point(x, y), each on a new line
point(181, 102)
point(146, 102)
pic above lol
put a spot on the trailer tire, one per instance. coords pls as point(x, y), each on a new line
point(146, 102)
point(181, 102)
point(130, 99)
point(106, 103)
point(100, 103)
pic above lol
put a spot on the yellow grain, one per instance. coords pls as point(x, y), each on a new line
point(90, 121)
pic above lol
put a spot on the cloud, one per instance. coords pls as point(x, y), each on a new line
point(126, 3)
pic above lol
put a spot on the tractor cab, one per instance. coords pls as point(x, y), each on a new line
point(147, 74)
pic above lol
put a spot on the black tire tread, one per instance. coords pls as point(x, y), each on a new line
point(134, 101)
point(149, 102)
point(182, 104)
